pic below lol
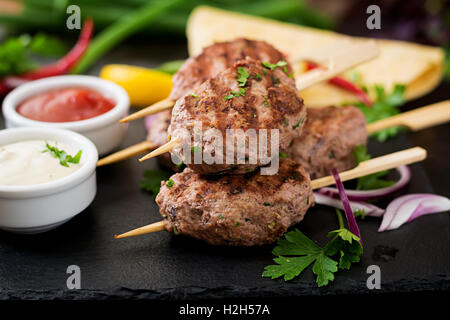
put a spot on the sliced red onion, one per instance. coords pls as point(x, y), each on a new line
point(352, 225)
point(363, 195)
point(148, 121)
point(407, 208)
point(369, 209)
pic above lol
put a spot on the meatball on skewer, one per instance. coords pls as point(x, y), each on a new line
point(338, 57)
point(213, 60)
point(247, 96)
point(250, 209)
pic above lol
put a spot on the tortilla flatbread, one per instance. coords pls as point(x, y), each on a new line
point(418, 67)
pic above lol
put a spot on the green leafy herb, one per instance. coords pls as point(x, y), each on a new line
point(62, 156)
point(171, 67)
point(447, 63)
point(259, 76)
point(243, 76)
point(170, 183)
point(15, 53)
point(233, 94)
point(228, 97)
point(14, 57)
point(272, 66)
point(153, 178)
point(385, 106)
point(194, 95)
point(285, 122)
point(283, 155)
point(46, 45)
point(266, 101)
point(360, 213)
point(372, 181)
point(296, 252)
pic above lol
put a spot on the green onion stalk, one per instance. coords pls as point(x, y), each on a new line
point(117, 32)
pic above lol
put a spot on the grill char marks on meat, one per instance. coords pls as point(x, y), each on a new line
point(269, 100)
point(218, 57)
point(263, 207)
point(328, 139)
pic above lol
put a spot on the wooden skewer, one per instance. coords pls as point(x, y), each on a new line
point(129, 152)
point(417, 119)
point(337, 57)
point(378, 164)
point(159, 106)
point(154, 227)
point(339, 62)
point(169, 146)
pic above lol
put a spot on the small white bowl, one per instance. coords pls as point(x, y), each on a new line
point(41, 207)
point(104, 130)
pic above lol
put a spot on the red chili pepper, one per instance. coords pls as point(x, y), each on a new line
point(345, 84)
point(62, 66)
point(3, 88)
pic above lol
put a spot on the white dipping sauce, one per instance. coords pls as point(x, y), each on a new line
point(24, 163)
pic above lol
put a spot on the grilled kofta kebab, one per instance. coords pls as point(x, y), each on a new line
point(245, 96)
point(213, 60)
point(217, 58)
point(328, 139)
point(240, 210)
point(249, 209)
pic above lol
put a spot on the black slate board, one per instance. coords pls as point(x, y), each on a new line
point(164, 266)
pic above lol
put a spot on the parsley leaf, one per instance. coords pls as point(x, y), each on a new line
point(233, 94)
point(243, 76)
point(15, 52)
point(46, 45)
point(152, 182)
point(385, 106)
point(14, 58)
point(62, 156)
point(272, 66)
point(371, 181)
point(344, 244)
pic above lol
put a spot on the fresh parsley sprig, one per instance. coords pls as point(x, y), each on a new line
point(272, 66)
point(371, 181)
point(385, 106)
point(236, 94)
point(152, 182)
point(297, 252)
point(62, 156)
point(15, 52)
point(243, 76)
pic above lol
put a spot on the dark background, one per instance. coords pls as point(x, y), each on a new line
point(164, 266)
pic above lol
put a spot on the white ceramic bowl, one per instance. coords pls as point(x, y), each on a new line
point(104, 130)
point(41, 207)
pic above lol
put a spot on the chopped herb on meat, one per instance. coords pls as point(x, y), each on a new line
point(243, 76)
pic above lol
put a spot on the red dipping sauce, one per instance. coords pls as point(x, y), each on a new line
point(65, 105)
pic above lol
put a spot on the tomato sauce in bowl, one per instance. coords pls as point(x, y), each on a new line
point(65, 105)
